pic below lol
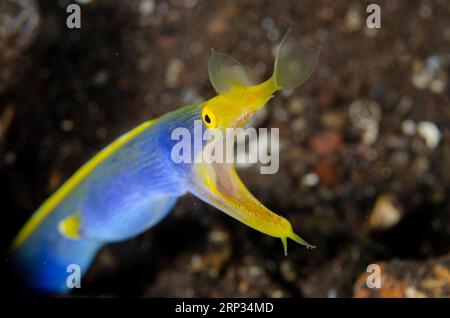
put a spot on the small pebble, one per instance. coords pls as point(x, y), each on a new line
point(267, 23)
point(422, 78)
point(296, 106)
point(218, 236)
point(101, 77)
point(353, 19)
point(174, 69)
point(277, 294)
point(332, 293)
point(310, 179)
point(364, 112)
point(370, 134)
point(255, 271)
point(146, 7)
point(333, 119)
point(438, 85)
point(430, 132)
point(428, 75)
point(411, 292)
point(67, 125)
point(426, 11)
point(287, 271)
point(196, 262)
point(281, 114)
point(385, 214)
point(408, 127)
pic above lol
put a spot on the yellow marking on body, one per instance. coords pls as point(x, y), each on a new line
point(70, 227)
point(46, 208)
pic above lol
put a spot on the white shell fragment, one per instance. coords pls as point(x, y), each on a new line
point(430, 132)
point(385, 214)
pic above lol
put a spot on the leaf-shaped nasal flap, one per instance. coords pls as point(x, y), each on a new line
point(293, 63)
point(225, 72)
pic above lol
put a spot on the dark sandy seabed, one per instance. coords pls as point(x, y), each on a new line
point(365, 142)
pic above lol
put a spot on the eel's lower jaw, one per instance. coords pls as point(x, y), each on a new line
point(219, 185)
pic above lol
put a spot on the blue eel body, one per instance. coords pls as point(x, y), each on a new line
point(133, 183)
point(126, 194)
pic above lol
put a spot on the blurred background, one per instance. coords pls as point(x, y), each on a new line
point(365, 142)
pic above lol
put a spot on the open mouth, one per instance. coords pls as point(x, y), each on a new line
point(219, 185)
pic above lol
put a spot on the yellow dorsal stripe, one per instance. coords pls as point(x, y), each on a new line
point(46, 208)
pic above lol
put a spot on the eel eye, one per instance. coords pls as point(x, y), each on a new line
point(209, 119)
